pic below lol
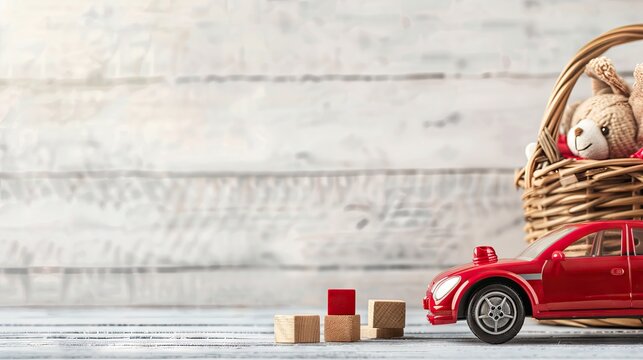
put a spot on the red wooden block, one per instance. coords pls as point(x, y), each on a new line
point(341, 301)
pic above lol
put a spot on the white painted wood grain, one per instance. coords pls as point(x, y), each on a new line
point(326, 220)
point(244, 240)
point(112, 39)
point(216, 152)
point(430, 124)
point(247, 287)
point(145, 333)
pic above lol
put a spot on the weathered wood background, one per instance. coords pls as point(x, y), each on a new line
point(189, 333)
point(257, 152)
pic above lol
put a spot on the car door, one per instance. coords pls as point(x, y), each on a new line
point(593, 275)
point(636, 265)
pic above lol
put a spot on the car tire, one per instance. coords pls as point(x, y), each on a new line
point(495, 313)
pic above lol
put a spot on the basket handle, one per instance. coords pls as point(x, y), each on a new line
point(547, 134)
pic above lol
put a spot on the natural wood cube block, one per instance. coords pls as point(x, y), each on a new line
point(389, 314)
point(381, 333)
point(340, 328)
point(297, 329)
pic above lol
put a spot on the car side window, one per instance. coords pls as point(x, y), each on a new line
point(600, 243)
point(637, 236)
point(609, 243)
point(582, 247)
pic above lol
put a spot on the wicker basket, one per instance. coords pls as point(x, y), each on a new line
point(559, 191)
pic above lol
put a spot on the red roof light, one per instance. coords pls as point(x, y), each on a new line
point(484, 255)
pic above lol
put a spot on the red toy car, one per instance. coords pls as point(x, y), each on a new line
point(582, 270)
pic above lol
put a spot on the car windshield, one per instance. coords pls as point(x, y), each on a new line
point(538, 246)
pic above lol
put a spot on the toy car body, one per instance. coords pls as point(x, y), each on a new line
point(585, 270)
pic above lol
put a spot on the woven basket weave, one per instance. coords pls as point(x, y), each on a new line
point(559, 191)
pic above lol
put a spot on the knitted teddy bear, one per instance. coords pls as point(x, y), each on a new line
point(609, 124)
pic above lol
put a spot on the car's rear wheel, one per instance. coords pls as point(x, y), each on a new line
point(495, 314)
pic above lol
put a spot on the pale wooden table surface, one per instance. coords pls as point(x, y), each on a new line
point(247, 333)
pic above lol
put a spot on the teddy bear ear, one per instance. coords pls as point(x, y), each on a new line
point(605, 79)
point(636, 98)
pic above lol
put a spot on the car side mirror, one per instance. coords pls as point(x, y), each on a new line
point(557, 256)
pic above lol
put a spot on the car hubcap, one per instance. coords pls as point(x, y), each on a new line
point(495, 313)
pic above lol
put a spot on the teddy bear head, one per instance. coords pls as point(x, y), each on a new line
point(609, 123)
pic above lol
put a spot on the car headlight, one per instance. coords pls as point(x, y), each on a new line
point(442, 288)
point(435, 286)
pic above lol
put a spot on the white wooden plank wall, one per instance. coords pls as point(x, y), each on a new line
point(255, 152)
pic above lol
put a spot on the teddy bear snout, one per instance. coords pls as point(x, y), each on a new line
point(586, 140)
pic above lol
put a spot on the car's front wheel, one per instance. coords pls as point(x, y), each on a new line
point(495, 314)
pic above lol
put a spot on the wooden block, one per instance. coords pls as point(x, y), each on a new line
point(297, 329)
point(389, 314)
point(341, 328)
point(341, 301)
point(381, 333)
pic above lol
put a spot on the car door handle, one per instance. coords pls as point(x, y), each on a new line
point(617, 271)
